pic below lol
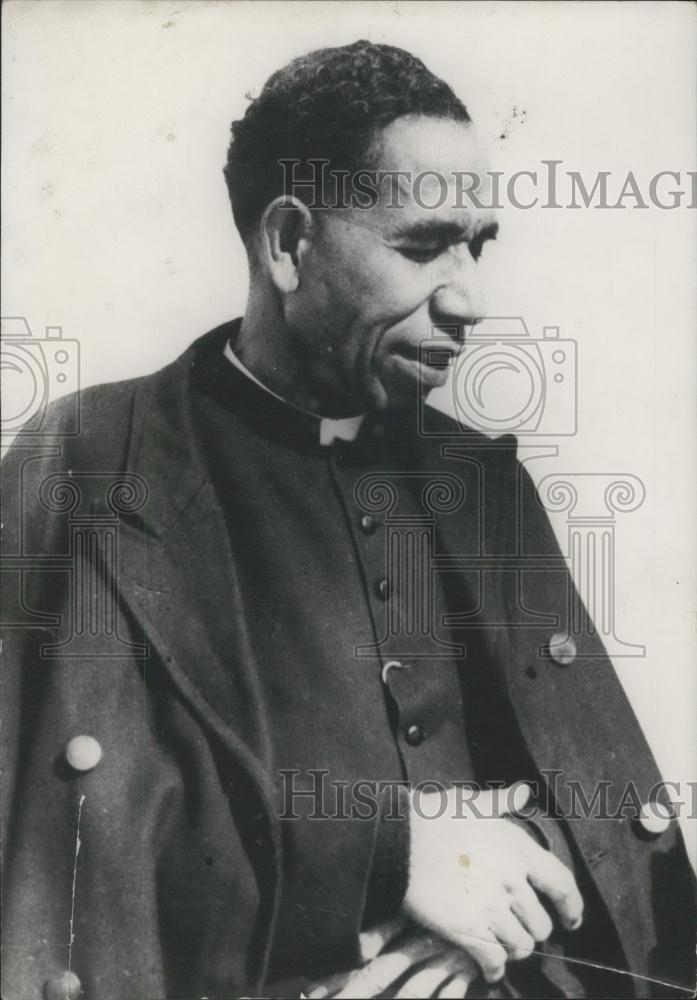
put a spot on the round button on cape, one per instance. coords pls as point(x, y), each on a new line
point(562, 649)
point(83, 753)
point(65, 987)
point(655, 818)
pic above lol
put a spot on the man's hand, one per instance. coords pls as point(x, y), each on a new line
point(474, 878)
point(405, 962)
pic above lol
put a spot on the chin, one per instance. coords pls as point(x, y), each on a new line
point(401, 395)
point(392, 387)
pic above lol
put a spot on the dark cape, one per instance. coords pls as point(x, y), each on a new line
point(160, 872)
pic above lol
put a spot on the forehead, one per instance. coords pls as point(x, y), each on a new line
point(439, 161)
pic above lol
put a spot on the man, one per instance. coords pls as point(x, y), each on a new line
point(267, 578)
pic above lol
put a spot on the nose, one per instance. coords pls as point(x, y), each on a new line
point(457, 300)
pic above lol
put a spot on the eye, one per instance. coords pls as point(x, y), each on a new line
point(421, 255)
point(476, 245)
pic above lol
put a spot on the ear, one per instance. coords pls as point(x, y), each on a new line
point(286, 229)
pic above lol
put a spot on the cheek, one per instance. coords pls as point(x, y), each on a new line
point(332, 284)
point(363, 284)
point(386, 288)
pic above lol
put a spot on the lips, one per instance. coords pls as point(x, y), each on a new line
point(436, 357)
point(430, 376)
point(424, 361)
point(435, 354)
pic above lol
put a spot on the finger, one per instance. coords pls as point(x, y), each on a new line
point(529, 910)
point(512, 935)
point(456, 988)
point(319, 992)
point(434, 974)
point(329, 986)
point(489, 955)
point(375, 977)
point(373, 940)
point(548, 875)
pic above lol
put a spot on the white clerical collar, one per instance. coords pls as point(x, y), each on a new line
point(345, 428)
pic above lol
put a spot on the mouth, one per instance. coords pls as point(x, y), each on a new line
point(438, 357)
point(430, 375)
point(428, 362)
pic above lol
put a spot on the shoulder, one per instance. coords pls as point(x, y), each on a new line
point(84, 427)
point(93, 427)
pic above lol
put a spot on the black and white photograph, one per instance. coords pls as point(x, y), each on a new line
point(349, 402)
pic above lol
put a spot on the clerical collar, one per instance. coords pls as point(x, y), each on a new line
point(345, 428)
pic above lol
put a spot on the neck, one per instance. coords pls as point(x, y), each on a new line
point(261, 345)
point(267, 348)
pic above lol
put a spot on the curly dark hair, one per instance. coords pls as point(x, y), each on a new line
point(328, 104)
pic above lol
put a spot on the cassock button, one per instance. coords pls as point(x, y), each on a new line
point(368, 524)
point(655, 818)
point(562, 649)
point(382, 589)
point(415, 735)
point(65, 987)
point(83, 753)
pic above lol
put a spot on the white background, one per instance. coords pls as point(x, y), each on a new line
point(116, 226)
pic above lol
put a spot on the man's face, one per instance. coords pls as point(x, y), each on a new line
point(378, 283)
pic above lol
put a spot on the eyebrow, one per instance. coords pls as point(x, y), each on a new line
point(426, 230)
